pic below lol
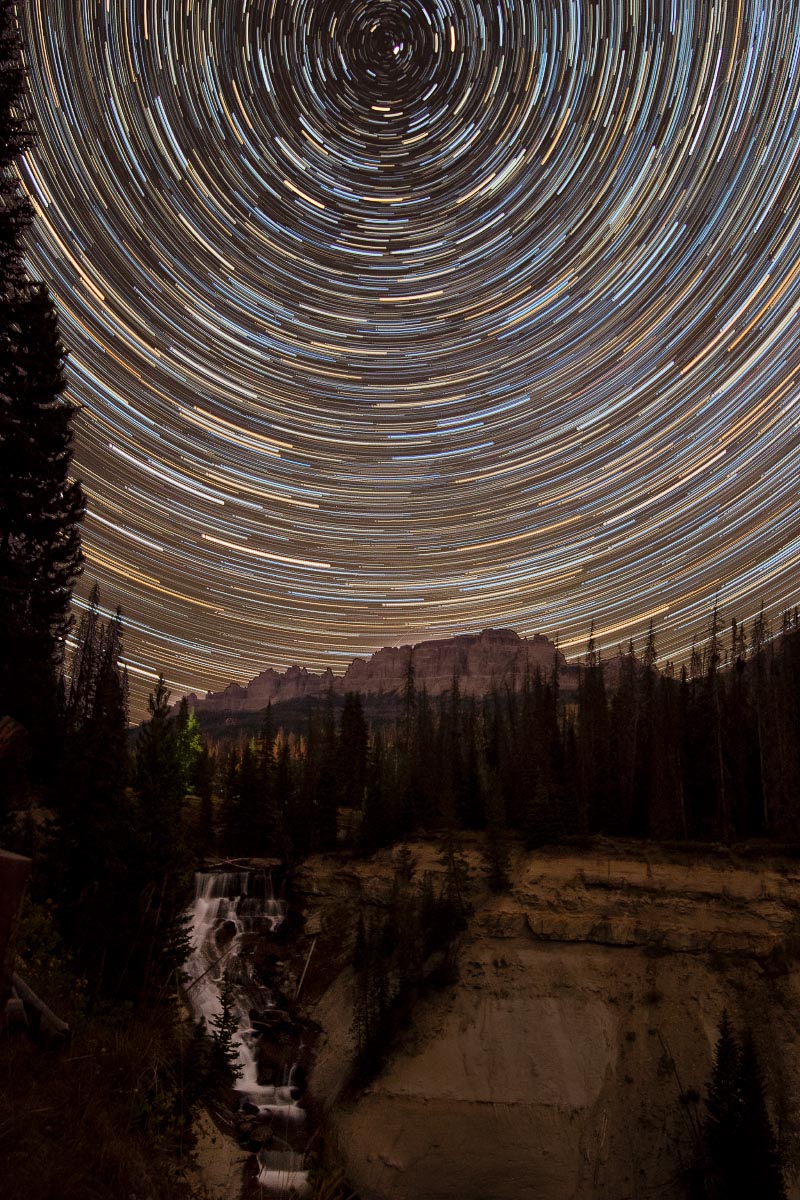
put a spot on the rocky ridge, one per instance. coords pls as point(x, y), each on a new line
point(494, 658)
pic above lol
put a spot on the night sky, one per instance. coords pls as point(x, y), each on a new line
point(392, 319)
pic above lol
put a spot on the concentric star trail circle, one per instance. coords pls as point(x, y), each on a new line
point(399, 318)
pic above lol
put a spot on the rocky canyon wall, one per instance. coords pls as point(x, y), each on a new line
point(567, 1061)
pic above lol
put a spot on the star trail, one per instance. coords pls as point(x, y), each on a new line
point(401, 318)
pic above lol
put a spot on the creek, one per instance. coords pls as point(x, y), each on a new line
point(239, 932)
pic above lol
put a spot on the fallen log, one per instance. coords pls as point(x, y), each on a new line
point(41, 1019)
point(14, 872)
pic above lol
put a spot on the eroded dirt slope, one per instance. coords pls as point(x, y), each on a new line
point(566, 1062)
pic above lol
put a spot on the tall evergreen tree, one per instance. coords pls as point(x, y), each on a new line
point(759, 1171)
point(230, 809)
point(160, 777)
point(409, 698)
point(190, 744)
point(295, 827)
point(244, 812)
point(715, 687)
point(225, 1065)
point(593, 744)
point(422, 783)
point(496, 855)
point(95, 817)
point(723, 1121)
point(15, 209)
point(251, 802)
point(624, 722)
point(270, 830)
point(668, 809)
point(40, 505)
point(161, 945)
point(742, 1158)
point(327, 778)
point(377, 825)
point(353, 744)
point(472, 767)
point(204, 787)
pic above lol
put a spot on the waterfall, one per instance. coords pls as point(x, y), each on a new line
point(229, 908)
point(281, 1171)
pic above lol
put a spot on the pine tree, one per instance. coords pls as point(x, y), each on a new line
point(421, 782)
point(723, 1122)
point(376, 828)
point(95, 818)
point(160, 779)
point(496, 851)
point(252, 802)
point(244, 812)
point(456, 882)
point(759, 1171)
point(225, 1066)
point(625, 745)
point(190, 744)
point(713, 658)
point(270, 830)
point(542, 817)
point(230, 820)
point(289, 798)
point(742, 1159)
point(15, 209)
point(471, 784)
point(327, 778)
point(668, 811)
point(204, 787)
point(161, 945)
point(40, 506)
point(353, 743)
point(647, 778)
point(592, 744)
point(409, 699)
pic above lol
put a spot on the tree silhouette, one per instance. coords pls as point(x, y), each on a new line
point(40, 505)
point(724, 1111)
point(161, 945)
point(225, 1066)
point(741, 1157)
point(95, 818)
point(759, 1170)
point(353, 744)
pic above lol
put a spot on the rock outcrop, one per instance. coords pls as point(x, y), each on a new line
point(568, 1061)
point(495, 658)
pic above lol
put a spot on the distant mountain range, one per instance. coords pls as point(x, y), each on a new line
point(480, 663)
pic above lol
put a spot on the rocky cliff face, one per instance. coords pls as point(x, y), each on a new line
point(567, 1061)
point(495, 658)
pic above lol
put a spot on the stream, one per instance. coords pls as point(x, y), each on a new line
point(235, 918)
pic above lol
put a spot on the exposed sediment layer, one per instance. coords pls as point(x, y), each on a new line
point(566, 1062)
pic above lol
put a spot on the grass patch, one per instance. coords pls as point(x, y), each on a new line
point(102, 1119)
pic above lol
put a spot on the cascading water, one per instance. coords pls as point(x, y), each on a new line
point(231, 908)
